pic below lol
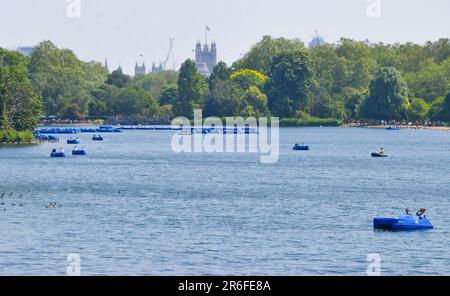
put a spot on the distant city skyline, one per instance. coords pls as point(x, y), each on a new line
point(123, 31)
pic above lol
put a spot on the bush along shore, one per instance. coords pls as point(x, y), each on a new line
point(15, 137)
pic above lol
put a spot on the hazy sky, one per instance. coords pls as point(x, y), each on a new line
point(124, 29)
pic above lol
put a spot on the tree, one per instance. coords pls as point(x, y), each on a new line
point(220, 72)
point(260, 56)
point(155, 83)
point(118, 79)
point(19, 104)
point(133, 101)
point(418, 110)
point(169, 95)
point(226, 99)
point(430, 81)
point(437, 112)
point(97, 108)
point(94, 74)
point(258, 102)
point(387, 97)
point(103, 96)
point(247, 78)
point(440, 109)
point(57, 77)
point(191, 86)
point(72, 112)
point(359, 63)
point(291, 83)
point(439, 51)
point(353, 99)
point(329, 68)
point(327, 107)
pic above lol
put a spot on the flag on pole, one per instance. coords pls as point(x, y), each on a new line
point(207, 28)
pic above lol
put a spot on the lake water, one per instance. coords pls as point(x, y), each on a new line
point(133, 207)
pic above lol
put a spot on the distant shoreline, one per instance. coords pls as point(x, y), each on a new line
point(351, 125)
point(412, 127)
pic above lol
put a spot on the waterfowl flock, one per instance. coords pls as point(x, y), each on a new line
point(9, 199)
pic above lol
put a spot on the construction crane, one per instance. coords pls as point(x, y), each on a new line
point(170, 55)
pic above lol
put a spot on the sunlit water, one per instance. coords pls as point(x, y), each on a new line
point(133, 207)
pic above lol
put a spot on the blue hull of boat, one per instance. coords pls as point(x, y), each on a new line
point(73, 142)
point(301, 148)
point(402, 224)
point(78, 152)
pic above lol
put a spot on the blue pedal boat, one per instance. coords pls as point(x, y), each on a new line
point(301, 147)
point(57, 154)
point(97, 138)
point(79, 152)
point(73, 142)
point(402, 223)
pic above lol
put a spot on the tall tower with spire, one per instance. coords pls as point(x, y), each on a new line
point(157, 69)
point(140, 70)
point(206, 57)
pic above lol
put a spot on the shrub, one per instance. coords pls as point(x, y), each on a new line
point(12, 136)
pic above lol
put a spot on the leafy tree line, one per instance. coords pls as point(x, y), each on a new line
point(277, 77)
point(75, 89)
point(347, 80)
point(19, 105)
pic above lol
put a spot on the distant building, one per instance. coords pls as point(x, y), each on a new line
point(206, 57)
point(157, 69)
point(25, 50)
point(106, 65)
point(316, 41)
point(140, 70)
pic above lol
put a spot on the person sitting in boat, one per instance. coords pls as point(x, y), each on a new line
point(421, 214)
point(61, 150)
point(83, 149)
point(408, 212)
point(54, 150)
point(382, 151)
point(76, 148)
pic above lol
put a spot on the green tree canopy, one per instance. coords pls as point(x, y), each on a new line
point(387, 97)
point(57, 77)
point(226, 99)
point(169, 95)
point(247, 78)
point(19, 104)
point(220, 72)
point(191, 87)
point(291, 83)
point(261, 54)
point(418, 110)
point(118, 79)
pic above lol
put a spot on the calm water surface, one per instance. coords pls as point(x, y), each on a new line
point(133, 207)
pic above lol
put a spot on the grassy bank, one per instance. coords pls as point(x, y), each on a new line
point(15, 137)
